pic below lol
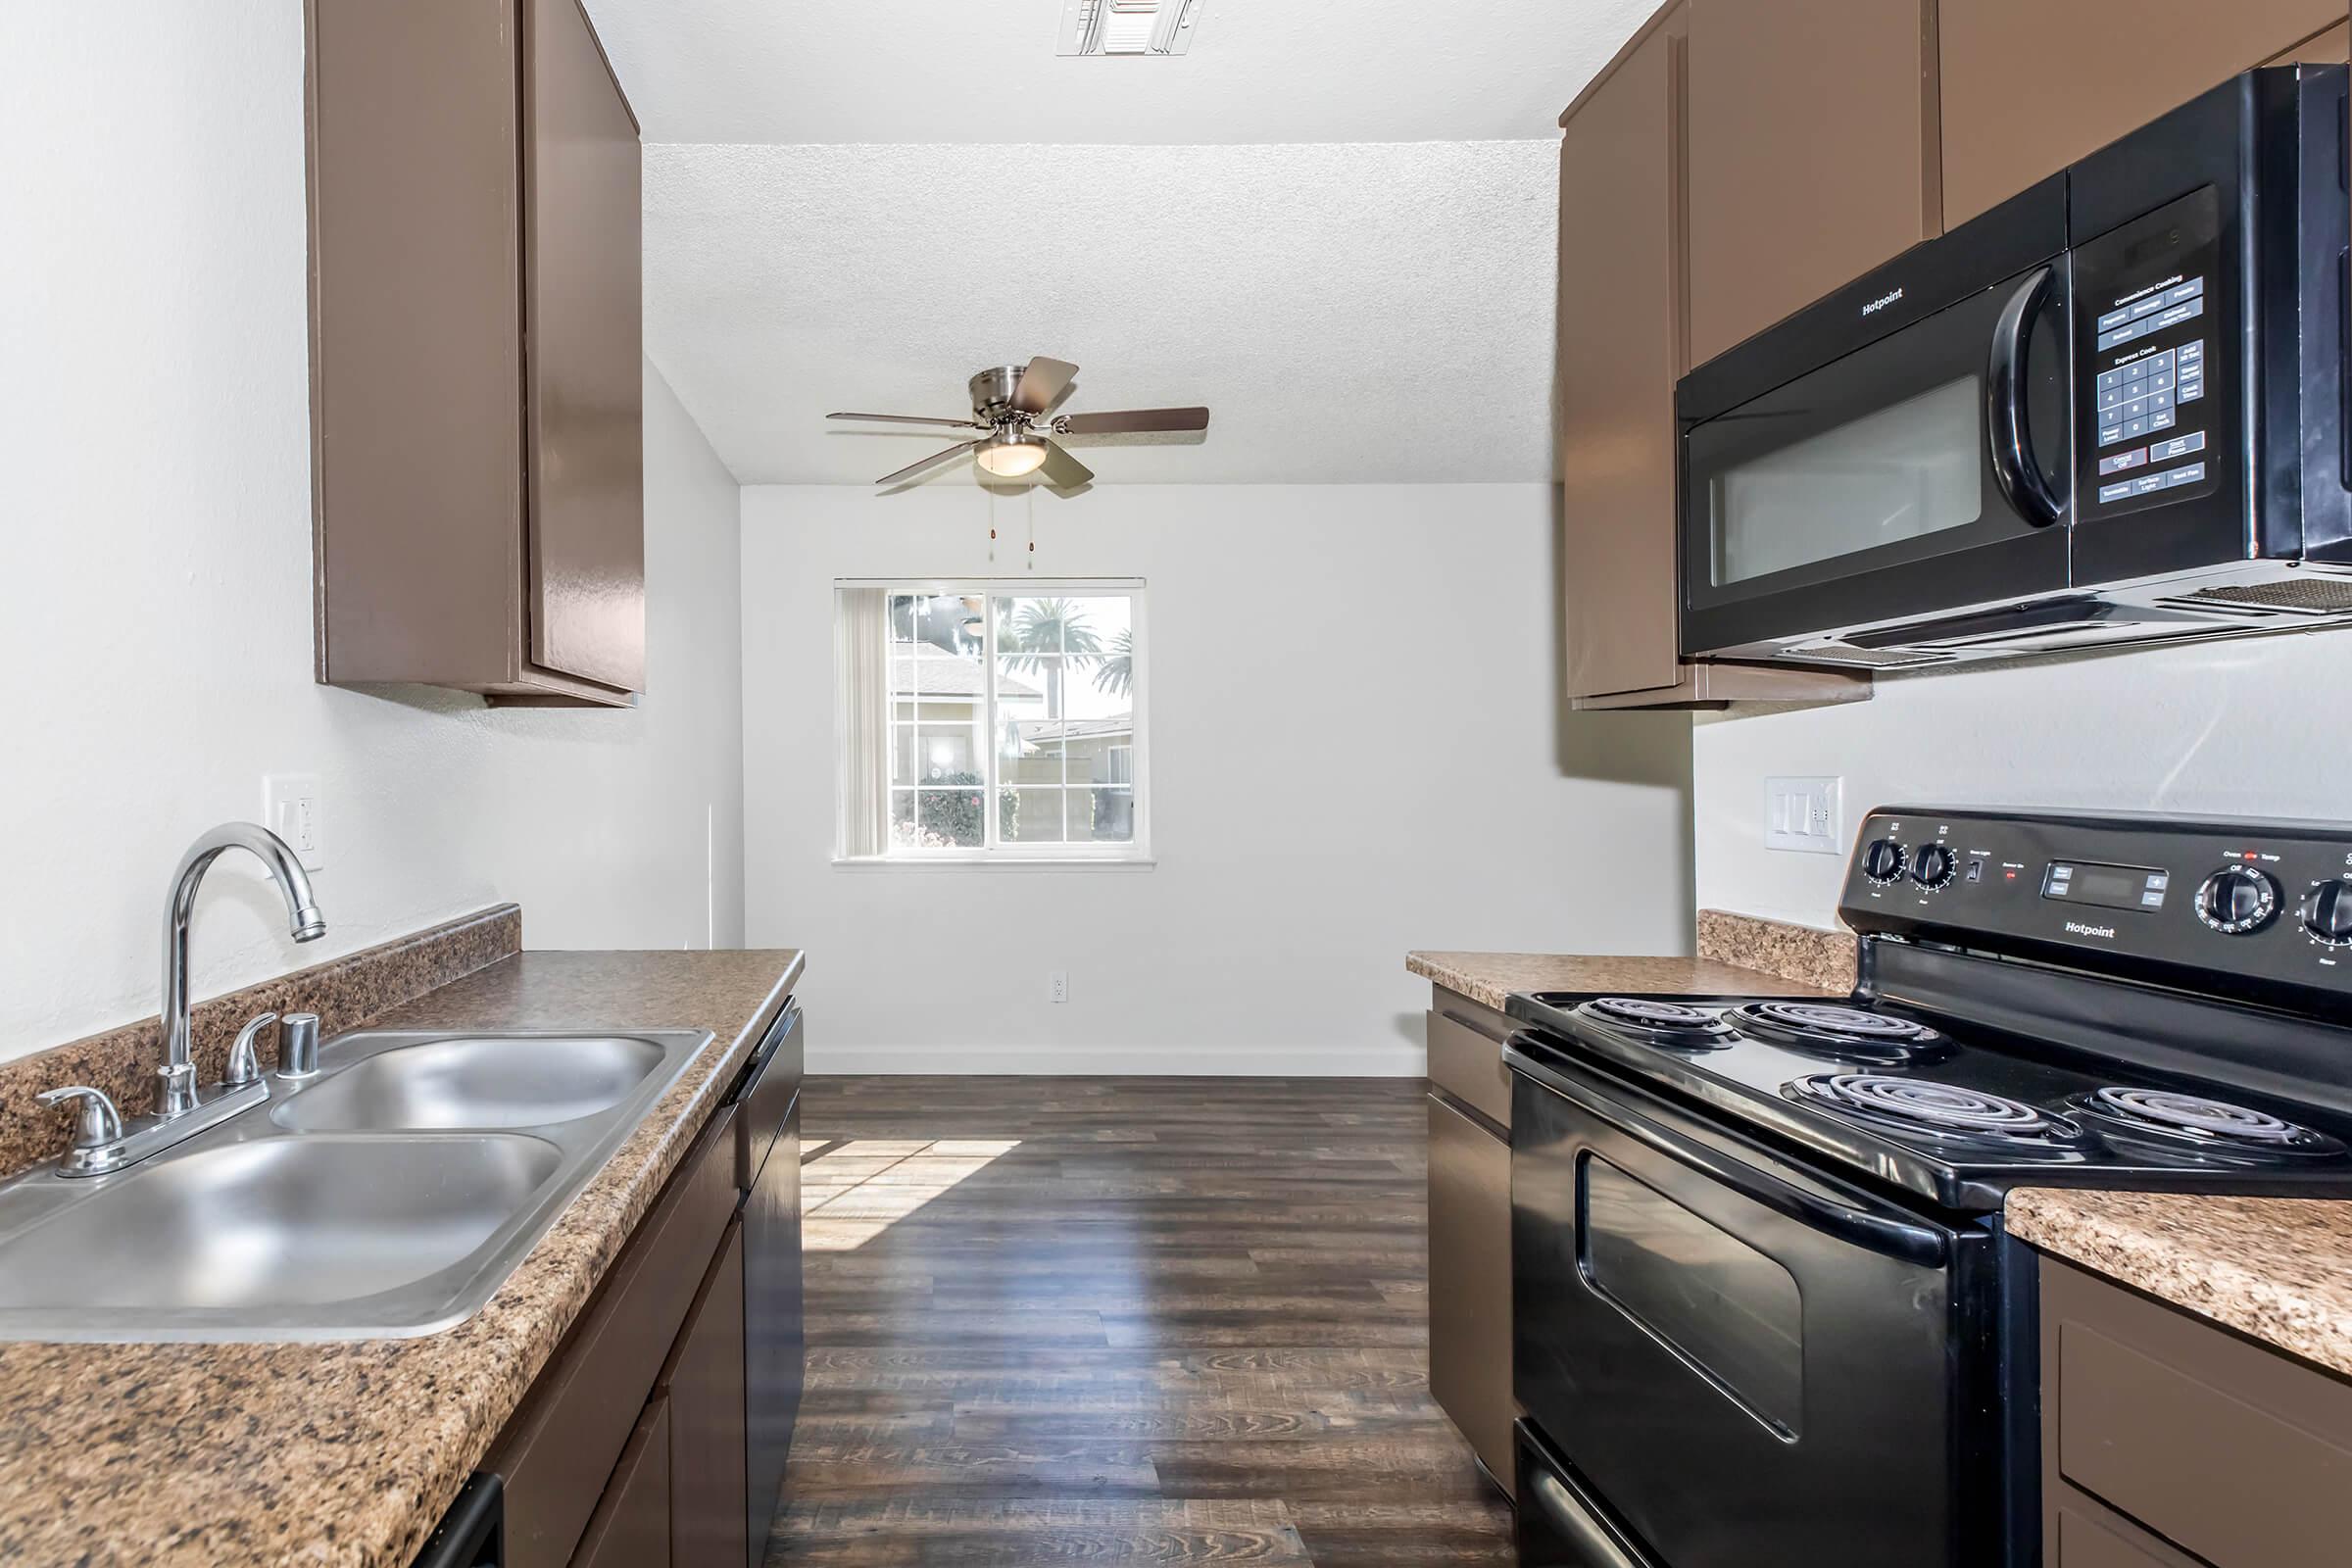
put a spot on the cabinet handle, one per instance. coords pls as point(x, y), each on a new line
point(1474, 1025)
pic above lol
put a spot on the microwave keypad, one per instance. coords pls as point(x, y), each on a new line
point(2141, 398)
point(2153, 301)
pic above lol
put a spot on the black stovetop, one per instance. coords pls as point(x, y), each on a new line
point(2053, 1127)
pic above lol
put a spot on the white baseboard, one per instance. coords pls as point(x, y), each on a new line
point(1398, 1061)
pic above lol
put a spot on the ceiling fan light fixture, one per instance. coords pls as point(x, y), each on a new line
point(1012, 454)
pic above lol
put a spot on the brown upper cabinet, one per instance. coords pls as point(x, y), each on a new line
point(475, 344)
point(1812, 153)
point(1624, 341)
point(2029, 86)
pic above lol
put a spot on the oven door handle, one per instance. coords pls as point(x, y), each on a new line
point(1873, 1233)
point(2008, 441)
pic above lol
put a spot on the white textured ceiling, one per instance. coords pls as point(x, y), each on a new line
point(985, 70)
point(1352, 312)
point(1331, 222)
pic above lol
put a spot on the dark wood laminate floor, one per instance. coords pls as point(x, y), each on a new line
point(1122, 1320)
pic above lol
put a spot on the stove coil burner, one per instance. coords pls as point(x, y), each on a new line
point(1917, 1105)
point(1668, 1023)
point(1836, 1031)
point(2211, 1125)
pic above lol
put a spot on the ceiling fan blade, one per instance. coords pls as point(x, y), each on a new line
point(1131, 422)
point(909, 418)
point(913, 468)
point(1063, 471)
point(1043, 381)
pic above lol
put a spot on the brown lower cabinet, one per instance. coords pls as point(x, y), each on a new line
point(704, 1385)
point(1470, 1228)
point(631, 1525)
point(629, 1449)
point(2170, 1443)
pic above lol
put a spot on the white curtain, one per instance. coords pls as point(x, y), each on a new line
point(862, 663)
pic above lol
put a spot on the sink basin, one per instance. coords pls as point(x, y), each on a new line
point(526, 1081)
point(279, 1225)
point(389, 1197)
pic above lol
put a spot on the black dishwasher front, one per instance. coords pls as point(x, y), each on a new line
point(767, 1170)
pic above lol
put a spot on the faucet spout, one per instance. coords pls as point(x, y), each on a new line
point(177, 1092)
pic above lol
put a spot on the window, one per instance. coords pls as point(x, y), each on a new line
point(991, 720)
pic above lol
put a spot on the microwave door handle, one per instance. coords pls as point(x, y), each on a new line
point(2009, 442)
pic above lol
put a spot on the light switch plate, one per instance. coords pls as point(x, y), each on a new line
point(292, 809)
point(1804, 814)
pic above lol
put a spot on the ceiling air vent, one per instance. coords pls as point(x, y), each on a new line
point(1129, 26)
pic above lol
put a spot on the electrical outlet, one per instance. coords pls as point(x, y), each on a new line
point(293, 808)
point(1805, 813)
point(1057, 986)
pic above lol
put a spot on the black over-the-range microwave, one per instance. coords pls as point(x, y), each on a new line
point(2108, 411)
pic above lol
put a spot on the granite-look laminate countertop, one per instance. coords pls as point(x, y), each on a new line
point(345, 1456)
point(2276, 1269)
point(1490, 977)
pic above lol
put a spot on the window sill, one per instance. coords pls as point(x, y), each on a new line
point(994, 862)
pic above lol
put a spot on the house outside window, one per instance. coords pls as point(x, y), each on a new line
point(991, 720)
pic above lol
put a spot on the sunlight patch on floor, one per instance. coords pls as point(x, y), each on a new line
point(856, 1190)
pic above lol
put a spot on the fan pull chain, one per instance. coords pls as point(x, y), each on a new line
point(1031, 494)
point(991, 526)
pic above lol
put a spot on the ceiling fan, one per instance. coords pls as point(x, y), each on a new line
point(1012, 406)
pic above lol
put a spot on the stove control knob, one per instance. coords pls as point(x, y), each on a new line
point(1884, 862)
point(2327, 911)
point(2237, 899)
point(1932, 866)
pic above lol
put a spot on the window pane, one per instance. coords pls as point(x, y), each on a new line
point(1030, 686)
point(1102, 816)
point(1029, 816)
point(903, 754)
point(944, 755)
point(948, 819)
point(1028, 753)
point(902, 834)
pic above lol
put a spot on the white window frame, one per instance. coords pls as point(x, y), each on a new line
point(994, 851)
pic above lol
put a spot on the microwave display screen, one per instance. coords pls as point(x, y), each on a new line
point(1904, 472)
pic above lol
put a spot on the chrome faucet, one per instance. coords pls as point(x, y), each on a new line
point(178, 1095)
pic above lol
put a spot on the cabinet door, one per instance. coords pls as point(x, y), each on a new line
point(705, 1383)
point(1812, 153)
point(585, 358)
point(1620, 347)
point(1470, 1283)
point(2029, 86)
point(630, 1528)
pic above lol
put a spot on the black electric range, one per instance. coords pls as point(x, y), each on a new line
point(1764, 1311)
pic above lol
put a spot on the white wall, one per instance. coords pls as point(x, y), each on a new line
point(154, 563)
point(2251, 728)
point(1441, 802)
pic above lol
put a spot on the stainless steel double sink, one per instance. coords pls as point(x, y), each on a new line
point(389, 1197)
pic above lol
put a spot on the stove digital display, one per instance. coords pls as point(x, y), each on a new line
point(2139, 888)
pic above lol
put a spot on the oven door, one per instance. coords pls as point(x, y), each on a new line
point(1745, 1363)
point(1927, 471)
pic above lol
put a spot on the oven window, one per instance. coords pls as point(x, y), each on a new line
point(1900, 473)
point(1731, 1313)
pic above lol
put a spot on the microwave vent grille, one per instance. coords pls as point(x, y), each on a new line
point(2303, 595)
point(1868, 658)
